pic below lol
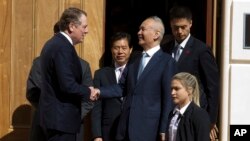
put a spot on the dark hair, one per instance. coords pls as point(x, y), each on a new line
point(178, 12)
point(56, 28)
point(70, 15)
point(121, 35)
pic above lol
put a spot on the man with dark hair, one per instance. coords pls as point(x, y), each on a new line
point(105, 114)
point(87, 80)
point(193, 56)
point(62, 89)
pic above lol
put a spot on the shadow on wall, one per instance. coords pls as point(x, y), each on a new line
point(21, 120)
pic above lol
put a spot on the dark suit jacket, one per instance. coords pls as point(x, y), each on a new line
point(33, 89)
point(106, 112)
point(194, 124)
point(148, 100)
point(62, 88)
point(197, 59)
point(33, 92)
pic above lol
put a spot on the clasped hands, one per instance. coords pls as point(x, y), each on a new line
point(94, 93)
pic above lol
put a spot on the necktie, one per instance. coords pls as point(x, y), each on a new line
point(142, 64)
point(177, 54)
point(120, 73)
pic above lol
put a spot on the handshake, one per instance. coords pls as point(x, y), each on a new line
point(94, 93)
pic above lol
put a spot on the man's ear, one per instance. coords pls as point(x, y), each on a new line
point(191, 23)
point(157, 35)
point(71, 26)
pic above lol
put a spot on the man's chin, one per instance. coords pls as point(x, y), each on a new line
point(140, 42)
point(120, 61)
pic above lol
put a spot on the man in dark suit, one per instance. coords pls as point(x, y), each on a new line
point(62, 89)
point(105, 114)
point(33, 92)
point(195, 57)
point(148, 94)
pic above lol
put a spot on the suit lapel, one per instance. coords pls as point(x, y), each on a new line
point(135, 68)
point(152, 62)
point(111, 75)
point(187, 50)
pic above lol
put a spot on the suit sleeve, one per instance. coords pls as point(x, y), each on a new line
point(167, 104)
point(201, 125)
point(33, 90)
point(116, 90)
point(210, 81)
point(96, 113)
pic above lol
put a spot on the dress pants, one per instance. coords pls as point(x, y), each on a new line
point(55, 135)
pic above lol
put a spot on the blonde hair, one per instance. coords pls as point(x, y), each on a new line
point(189, 81)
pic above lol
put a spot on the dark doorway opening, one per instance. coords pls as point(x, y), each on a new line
point(127, 15)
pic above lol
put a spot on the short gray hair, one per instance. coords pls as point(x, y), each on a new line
point(159, 26)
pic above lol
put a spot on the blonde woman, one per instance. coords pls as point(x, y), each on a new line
point(187, 121)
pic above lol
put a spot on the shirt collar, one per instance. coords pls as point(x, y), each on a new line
point(117, 67)
point(182, 110)
point(67, 36)
point(152, 51)
point(184, 42)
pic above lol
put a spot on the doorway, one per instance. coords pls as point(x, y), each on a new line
point(127, 15)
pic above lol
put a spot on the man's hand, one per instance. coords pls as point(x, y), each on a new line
point(95, 93)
